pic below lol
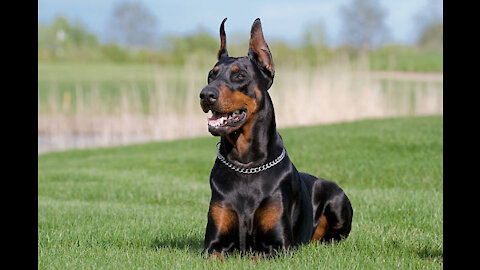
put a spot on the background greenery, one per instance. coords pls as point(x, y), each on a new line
point(144, 206)
point(77, 44)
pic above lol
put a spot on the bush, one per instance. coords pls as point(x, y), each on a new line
point(114, 53)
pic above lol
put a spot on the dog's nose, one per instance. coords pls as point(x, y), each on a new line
point(209, 95)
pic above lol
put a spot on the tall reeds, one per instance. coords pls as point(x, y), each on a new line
point(166, 106)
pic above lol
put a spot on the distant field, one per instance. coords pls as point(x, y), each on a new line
point(406, 60)
point(144, 206)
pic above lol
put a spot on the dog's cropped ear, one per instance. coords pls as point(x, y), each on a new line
point(223, 42)
point(259, 51)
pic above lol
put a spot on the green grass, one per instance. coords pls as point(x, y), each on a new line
point(145, 206)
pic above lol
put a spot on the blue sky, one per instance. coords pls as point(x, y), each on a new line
point(284, 20)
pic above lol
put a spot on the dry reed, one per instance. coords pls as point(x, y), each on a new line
point(300, 96)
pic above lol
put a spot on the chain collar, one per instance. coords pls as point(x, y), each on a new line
point(250, 170)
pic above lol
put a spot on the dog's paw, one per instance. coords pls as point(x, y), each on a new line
point(215, 256)
point(256, 258)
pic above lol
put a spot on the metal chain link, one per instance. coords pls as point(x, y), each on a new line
point(250, 170)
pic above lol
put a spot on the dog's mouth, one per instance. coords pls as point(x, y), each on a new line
point(222, 122)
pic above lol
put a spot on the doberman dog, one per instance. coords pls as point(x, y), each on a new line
point(260, 202)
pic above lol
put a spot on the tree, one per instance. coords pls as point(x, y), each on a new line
point(133, 25)
point(62, 39)
point(313, 43)
point(200, 43)
point(430, 22)
point(364, 24)
point(432, 37)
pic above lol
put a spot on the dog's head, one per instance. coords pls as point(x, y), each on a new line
point(237, 85)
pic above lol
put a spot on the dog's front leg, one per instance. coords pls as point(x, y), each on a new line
point(222, 229)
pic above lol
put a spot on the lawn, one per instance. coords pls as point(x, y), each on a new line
point(145, 206)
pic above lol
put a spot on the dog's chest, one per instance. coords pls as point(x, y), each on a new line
point(255, 205)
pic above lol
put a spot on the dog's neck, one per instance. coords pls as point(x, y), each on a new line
point(254, 144)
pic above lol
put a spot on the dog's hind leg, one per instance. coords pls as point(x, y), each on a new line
point(332, 210)
point(336, 220)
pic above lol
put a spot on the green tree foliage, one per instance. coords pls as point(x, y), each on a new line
point(431, 38)
point(201, 44)
point(62, 40)
point(114, 53)
point(313, 46)
point(429, 21)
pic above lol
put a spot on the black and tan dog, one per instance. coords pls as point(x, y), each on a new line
point(260, 202)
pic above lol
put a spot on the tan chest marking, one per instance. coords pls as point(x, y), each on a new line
point(268, 216)
point(225, 219)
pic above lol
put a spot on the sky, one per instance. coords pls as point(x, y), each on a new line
point(281, 20)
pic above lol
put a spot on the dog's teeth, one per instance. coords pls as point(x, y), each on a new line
point(221, 121)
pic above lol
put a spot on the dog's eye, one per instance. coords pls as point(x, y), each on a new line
point(212, 75)
point(240, 76)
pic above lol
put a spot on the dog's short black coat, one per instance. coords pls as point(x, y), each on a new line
point(279, 207)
